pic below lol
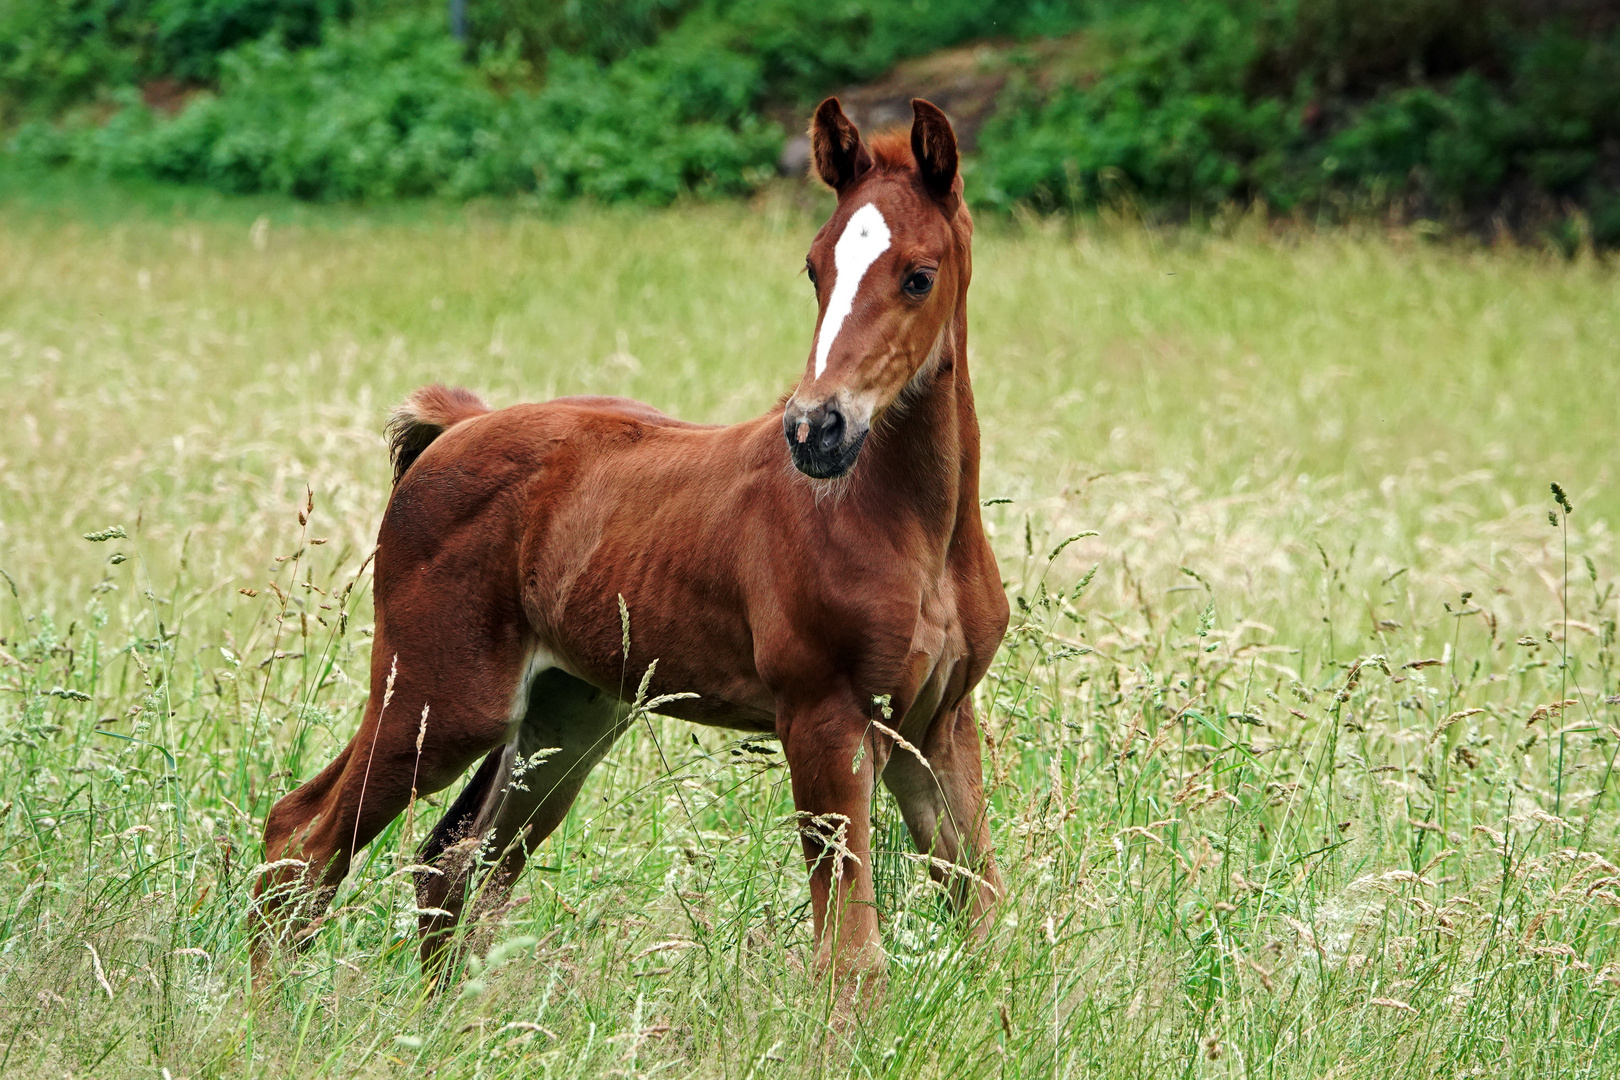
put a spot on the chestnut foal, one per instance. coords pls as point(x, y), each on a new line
point(786, 597)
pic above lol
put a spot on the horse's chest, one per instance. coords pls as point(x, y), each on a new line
point(938, 660)
point(960, 624)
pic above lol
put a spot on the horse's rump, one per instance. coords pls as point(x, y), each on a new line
point(424, 416)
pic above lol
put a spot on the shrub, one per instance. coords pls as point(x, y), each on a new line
point(381, 111)
point(57, 53)
point(806, 47)
point(1458, 107)
point(53, 54)
point(604, 31)
point(389, 109)
point(671, 119)
point(803, 47)
point(645, 107)
point(189, 36)
point(1168, 119)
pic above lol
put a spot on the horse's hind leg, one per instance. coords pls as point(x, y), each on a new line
point(942, 801)
point(518, 797)
point(435, 708)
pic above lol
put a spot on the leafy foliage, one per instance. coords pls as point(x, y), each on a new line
point(642, 100)
point(389, 109)
point(53, 54)
point(56, 53)
point(1296, 104)
point(190, 35)
point(1168, 117)
point(604, 31)
point(386, 110)
point(806, 47)
point(1453, 108)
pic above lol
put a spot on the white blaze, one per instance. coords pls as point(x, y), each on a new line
point(865, 237)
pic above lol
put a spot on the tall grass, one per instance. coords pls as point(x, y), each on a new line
point(1301, 761)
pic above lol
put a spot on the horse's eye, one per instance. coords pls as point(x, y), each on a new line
point(918, 284)
point(808, 269)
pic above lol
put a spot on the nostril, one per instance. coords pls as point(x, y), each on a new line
point(832, 431)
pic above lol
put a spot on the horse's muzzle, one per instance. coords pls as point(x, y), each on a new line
point(823, 441)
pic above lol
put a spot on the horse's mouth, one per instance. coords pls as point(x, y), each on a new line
point(823, 465)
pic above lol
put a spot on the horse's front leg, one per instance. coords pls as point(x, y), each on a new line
point(941, 795)
point(831, 756)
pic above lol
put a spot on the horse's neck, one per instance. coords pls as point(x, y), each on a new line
point(925, 458)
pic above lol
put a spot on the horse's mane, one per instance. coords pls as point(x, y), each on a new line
point(891, 151)
point(891, 154)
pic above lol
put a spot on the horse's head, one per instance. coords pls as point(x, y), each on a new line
point(889, 268)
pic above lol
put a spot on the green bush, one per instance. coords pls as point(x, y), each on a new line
point(1462, 108)
point(55, 54)
point(1362, 46)
point(1457, 107)
point(803, 47)
point(1459, 142)
point(189, 36)
point(656, 98)
point(604, 31)
point(807, 47)
point(58, 53)
point(677, 117)
point(1168, 119)
point(382, 111)
point(389, 109)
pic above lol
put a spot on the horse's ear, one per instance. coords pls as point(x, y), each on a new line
point(933, 145)
point(836, 149)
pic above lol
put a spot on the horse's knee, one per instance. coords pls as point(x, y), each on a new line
point(284, 858)
point(280, 824)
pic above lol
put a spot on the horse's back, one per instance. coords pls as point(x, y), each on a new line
point(489, 448)
point(499, 473)
point(608, 407)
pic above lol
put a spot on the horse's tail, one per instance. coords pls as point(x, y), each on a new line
point(425, 415)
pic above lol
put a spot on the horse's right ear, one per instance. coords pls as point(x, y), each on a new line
point(836, 149)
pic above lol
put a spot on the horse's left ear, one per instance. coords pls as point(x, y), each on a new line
point(933, 145)
point(836, 151)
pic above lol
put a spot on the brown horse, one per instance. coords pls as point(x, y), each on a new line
point(788, 598)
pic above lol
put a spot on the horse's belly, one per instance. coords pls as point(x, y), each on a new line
point(615, 621)
point(714, 712)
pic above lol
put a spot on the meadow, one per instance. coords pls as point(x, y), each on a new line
point(1301, 747)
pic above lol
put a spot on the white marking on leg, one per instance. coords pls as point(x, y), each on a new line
point(865, 237)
